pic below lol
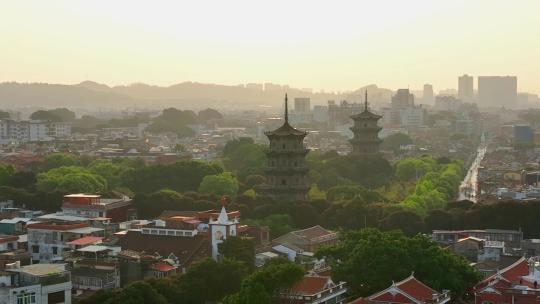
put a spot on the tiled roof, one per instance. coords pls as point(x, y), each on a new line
point(187, 249)
point(87, 240)
point(286, 129)
point(407, 291)
point(511, 274)
point(417, 289)
point(313, 232)
point(311, 285)
point(162, 267)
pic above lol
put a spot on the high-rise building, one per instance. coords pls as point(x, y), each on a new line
point(402, 100)
point(427, 96)
point(286, 165)
point(497, 91)
point(366, 132)
point(302, 105)
point(466, 88)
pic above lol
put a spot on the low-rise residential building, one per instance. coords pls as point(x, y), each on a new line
point(296, 243)
point(93, 206)
point(38, 283)
point(47, 241)
point(511, 238)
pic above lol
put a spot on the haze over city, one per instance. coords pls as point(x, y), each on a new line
point(337, 46)
point(270, 152)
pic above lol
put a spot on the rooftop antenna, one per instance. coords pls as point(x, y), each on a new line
point(286, 109)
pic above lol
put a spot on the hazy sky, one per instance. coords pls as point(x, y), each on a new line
point(332, 45)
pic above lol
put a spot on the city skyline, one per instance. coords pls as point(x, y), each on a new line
point(302, 44)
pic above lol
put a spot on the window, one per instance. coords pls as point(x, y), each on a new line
point(283, 182)
point(35, 248)
point(55, 250)
point(487, 302)
point(283, 146)
point(27, 298)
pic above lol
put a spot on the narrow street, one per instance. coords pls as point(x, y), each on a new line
point(468, 187)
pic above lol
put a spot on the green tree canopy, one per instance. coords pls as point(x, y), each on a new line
point(220, 184)
point(180, 176)
point(209, 114)
point(264, 283)
point(4, 115)
point(239, 249)
point(395, 141)
point(59, 114)
point(370, 260)
point(6, 173)
point(70, 180)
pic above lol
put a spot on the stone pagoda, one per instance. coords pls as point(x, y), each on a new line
point(286, 165)
point(366, 139)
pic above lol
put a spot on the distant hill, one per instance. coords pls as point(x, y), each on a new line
point(57, 95)
point(183, 95)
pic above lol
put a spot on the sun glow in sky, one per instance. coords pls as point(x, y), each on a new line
point(331, 45)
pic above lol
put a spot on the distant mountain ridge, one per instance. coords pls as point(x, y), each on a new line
point(88, 94)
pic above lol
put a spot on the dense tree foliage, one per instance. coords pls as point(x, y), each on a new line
point(227, 281)
point(56, 115)
point(243, 157)
point(394, 142)
point(70, 180)
point(220, 184)
point(4, 115)
point(370, 260)
point(263, 284)
point(174, 120)
point(6, 174)
point(209, 114)
point(238, 249)
point(180, 176)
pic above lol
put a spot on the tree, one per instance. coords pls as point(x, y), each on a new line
point(408, 222)
point(279, 224)
point(209, 114)
point(261, 285)
point(4, 115)
point(395, 141)
point(353, 168)
point(211, 281)
point(220, 184)
point(244, 157)
point(180, 176)
point(413, 168)
point(23, 179)
point(370, 260)
point(45, 115)
point(239, 249)
point(6, 173)
point(63, 113)
point(56, 160)
point(112, 173)
point(70, 180)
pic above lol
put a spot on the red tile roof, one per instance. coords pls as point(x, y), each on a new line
point(409, 290)
point(87, 240)
point(417, 289)
point(510, 274)
point(162, 267)
point(311, 285)
point(359, 301)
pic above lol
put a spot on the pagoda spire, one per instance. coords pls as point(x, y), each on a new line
point(286, 109)
point(365, 101)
